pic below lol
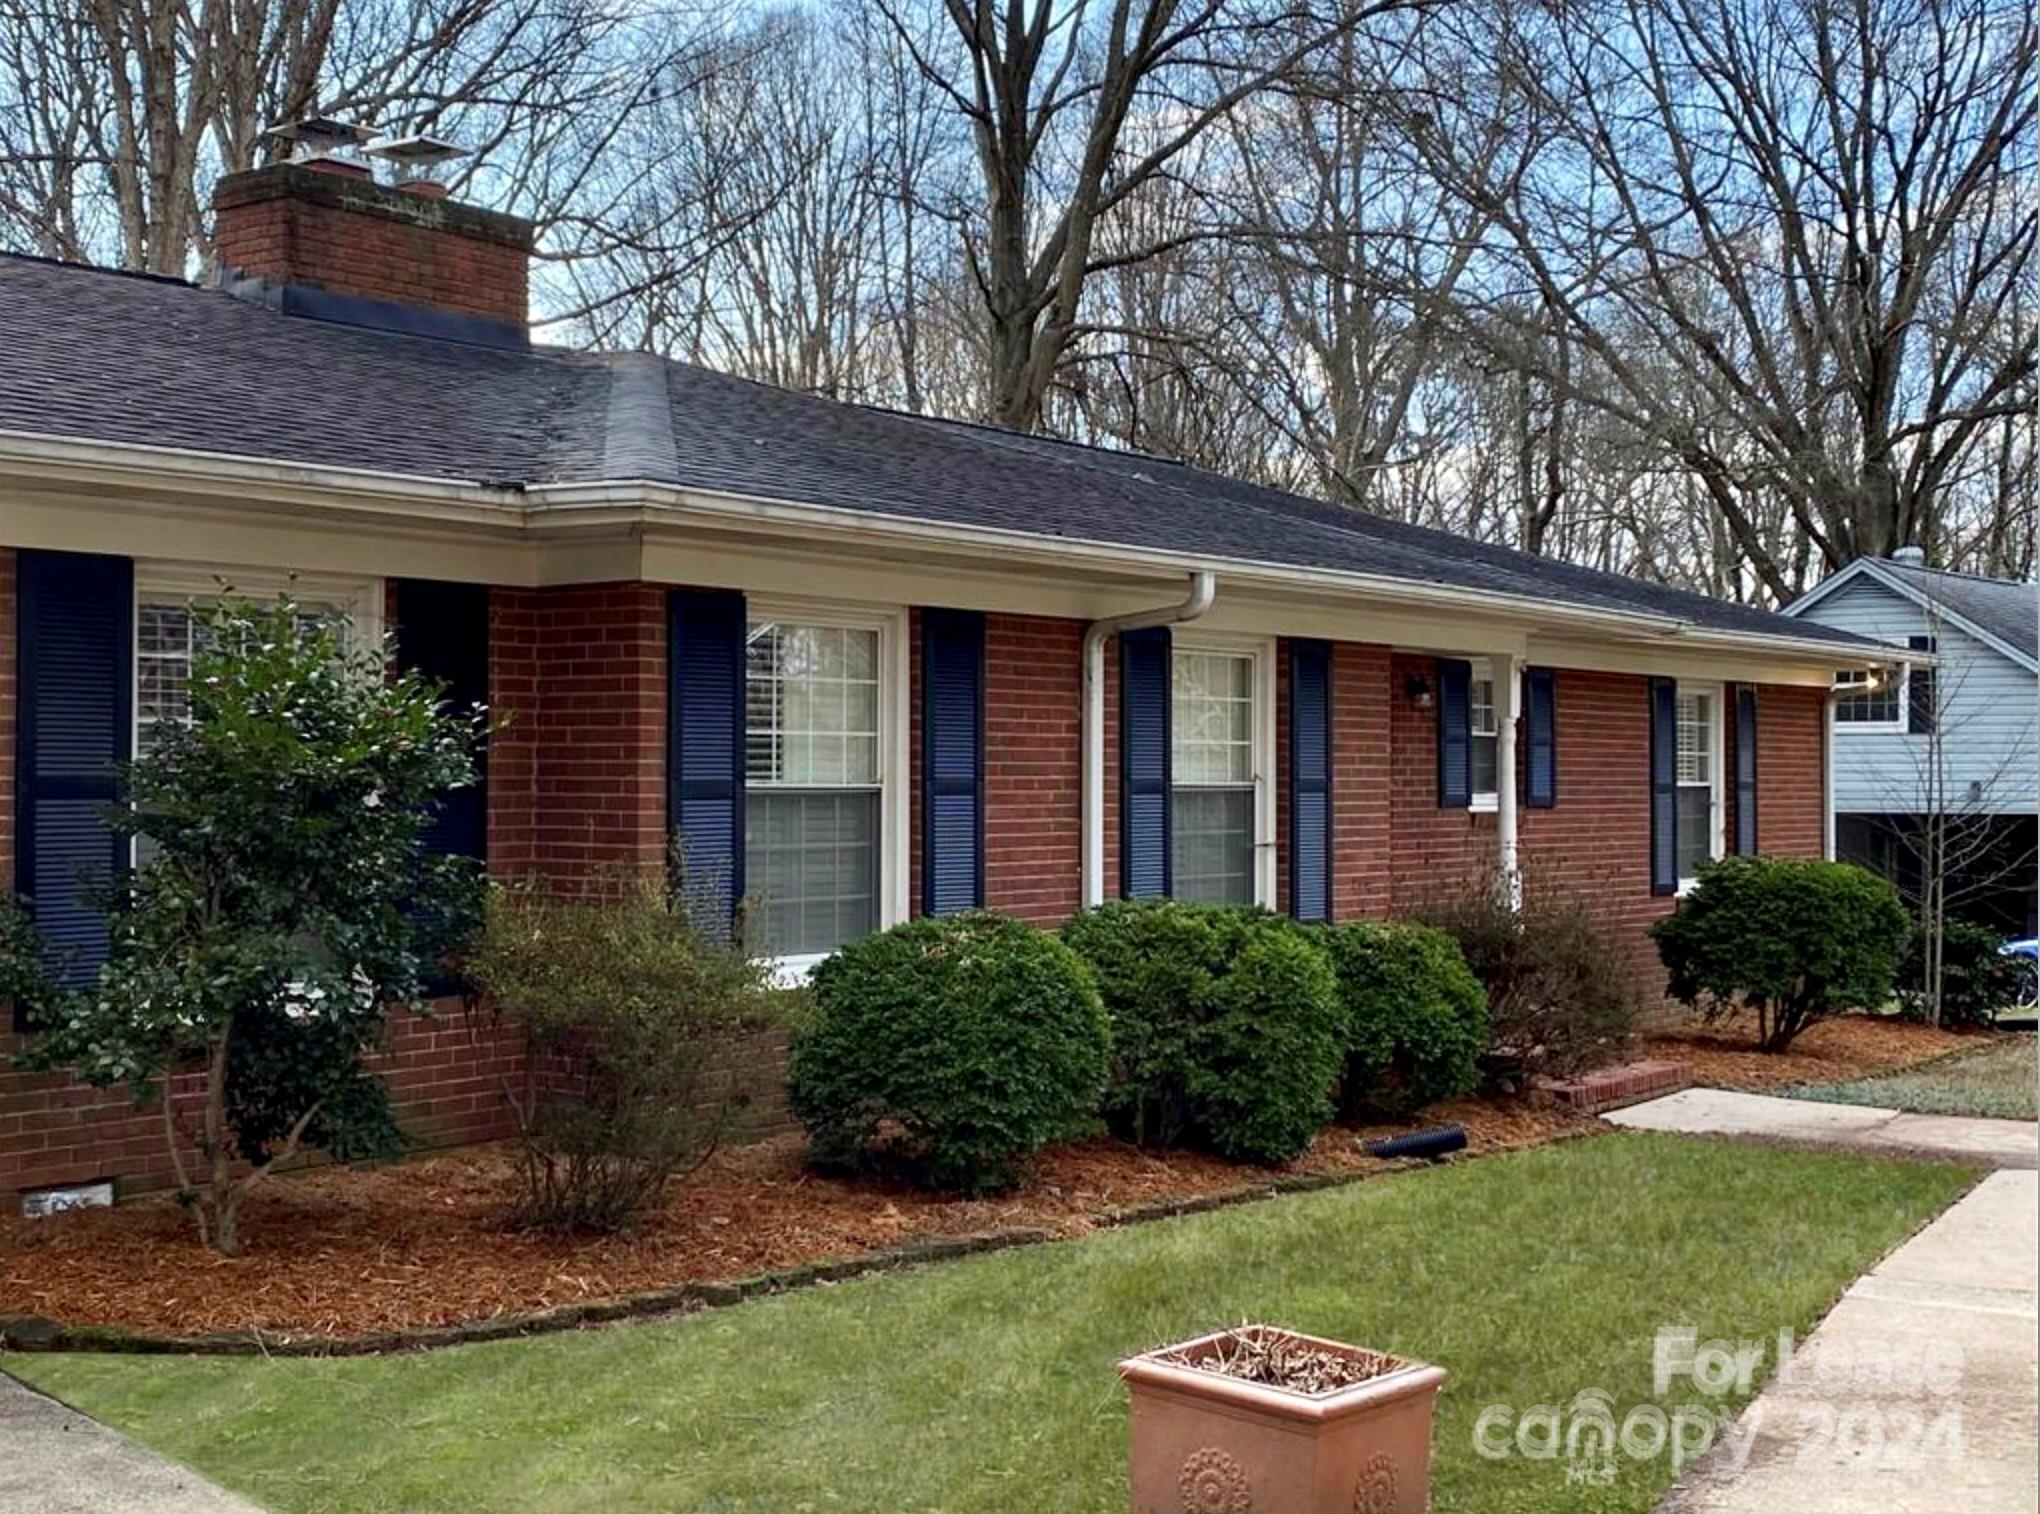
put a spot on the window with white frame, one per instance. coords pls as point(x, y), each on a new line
point(1214, 798)
point(167, 633)
point(1482, 723)
point(1871, 702)
point(814, 781)
point(1699, 778)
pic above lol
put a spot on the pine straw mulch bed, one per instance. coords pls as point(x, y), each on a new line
point(337, 1253)
point(1725, 1055)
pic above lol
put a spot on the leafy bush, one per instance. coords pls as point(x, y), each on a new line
point(278, 915)
point(1561, 991)
point(1978, 982)
point(1794, 940)
point(950, 1048)
point(635, 1018)
point(1226, 1025)
point(1416, 1017)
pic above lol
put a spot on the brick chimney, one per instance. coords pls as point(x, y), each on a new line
point(313, 228)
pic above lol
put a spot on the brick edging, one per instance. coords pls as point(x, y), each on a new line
point(36, 1333)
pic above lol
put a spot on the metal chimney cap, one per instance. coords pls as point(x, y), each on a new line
point(315, 131)
point(415, 152)
point(1911, 555)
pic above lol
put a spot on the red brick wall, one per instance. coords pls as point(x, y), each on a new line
point(577, 778)
point(1033, 767)
point(293, 225)
point(1791, 757)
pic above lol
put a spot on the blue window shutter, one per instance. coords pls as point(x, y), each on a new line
point(705, 744)
point(1664, 786)
point(1745, 769)
point(442, 632)
point(952, 761)
point(1920, 713)
point(75, 723)
point(1455, 733)
point(1144, 863)
point(1310, 780)
point(1540, 738)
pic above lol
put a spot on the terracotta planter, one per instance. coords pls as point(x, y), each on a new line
point(1207, 1443)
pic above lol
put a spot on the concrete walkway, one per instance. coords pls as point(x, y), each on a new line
point(1804, 1122)
point(1948, 1415)
point(56, 1461)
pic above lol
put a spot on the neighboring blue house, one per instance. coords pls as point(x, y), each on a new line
point(1956, 736)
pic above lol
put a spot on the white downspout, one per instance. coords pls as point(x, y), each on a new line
point(1507, 703)
point(1203, 589)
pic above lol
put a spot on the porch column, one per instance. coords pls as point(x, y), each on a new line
point(1508, 704)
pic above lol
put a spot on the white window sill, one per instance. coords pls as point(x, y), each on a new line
point(1484, 804)
point(1865, 728)
point(792, 972)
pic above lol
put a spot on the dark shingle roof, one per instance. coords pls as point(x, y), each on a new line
point(2005, 609)
point(123, 358)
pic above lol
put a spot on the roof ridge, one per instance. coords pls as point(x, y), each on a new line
point(637, 427)
point(75, 266)
point(1961, 573)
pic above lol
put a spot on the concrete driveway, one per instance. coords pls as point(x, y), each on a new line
point(1806, 1122)
point(54, 1460)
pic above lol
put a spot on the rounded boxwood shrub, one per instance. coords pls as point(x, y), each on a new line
point(1792, 939)
point(1225, 1025)
point(948, 1048)
point(1416, 1017)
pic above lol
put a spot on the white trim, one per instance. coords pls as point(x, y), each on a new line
point(1716, 805)
point(1482, 670)
point(1261, 650)
point(565, 517)
point(360, 595)
point(895, 698)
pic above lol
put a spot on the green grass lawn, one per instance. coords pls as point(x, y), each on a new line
point(1997, 1080)
point(988, 1384)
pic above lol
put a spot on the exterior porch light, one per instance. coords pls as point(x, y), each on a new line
point(1417, 689)
point(419, 163)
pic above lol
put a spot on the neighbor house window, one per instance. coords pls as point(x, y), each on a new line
point(1481, 712)
point(1213, 797)
point(813, 783)
point(1699, 774)
point(1874, 704)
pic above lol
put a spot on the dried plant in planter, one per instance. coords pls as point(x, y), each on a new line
point(1279, 1359)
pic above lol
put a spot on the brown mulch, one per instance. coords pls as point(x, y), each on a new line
point(1725, 1055)
point(340, 1252)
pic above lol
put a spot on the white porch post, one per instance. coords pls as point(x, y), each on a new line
point(1508, 702)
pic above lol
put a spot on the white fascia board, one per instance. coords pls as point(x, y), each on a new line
point(544, 512)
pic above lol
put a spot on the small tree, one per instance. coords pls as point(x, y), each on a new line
point(283, 903)
point(1792, 939)
point(633, 1012)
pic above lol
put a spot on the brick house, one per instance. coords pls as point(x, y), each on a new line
point(861, 664)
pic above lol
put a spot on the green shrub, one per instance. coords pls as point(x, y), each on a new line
point(634, 1017)
point(1226, 1026)
point(1978, 981)
point(950, 1048)
point(1794, 940)
point(1416, 1017)
point(1562, 991)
